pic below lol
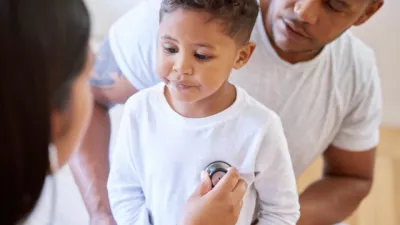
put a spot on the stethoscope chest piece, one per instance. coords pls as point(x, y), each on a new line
point(217, 170)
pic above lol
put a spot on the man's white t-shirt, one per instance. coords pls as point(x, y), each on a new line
point(159, 155)
point(333, 99)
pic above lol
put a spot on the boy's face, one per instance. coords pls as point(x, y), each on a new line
point(195, 57)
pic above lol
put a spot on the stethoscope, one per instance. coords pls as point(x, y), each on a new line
point(216, 171)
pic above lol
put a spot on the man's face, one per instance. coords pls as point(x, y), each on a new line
point(307, 25)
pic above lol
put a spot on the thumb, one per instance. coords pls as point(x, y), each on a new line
point(205, 185)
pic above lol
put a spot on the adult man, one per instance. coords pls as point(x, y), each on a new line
point(320, 79)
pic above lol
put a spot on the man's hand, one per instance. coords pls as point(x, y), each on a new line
point(346, 182)
point(220, 205)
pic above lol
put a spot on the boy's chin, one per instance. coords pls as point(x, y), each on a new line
point(184, 97)
point(187, 96)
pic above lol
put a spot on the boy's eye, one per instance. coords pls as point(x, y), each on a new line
point(202, 57)
point(170, 49)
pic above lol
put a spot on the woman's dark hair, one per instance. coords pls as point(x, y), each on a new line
point(43, 48)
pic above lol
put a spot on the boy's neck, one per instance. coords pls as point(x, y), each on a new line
point(217, 102)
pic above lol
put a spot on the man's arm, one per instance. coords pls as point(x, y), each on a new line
point(349, 160)
point(90, 163)
point(347, 180)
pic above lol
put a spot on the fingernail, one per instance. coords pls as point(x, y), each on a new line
point(232, 168)
point(203, 175)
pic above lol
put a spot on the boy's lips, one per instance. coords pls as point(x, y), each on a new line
point(182, 85)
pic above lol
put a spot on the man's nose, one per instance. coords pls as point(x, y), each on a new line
point(307, 11)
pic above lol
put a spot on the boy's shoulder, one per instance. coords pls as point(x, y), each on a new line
point(144, 99)
point(255, 113)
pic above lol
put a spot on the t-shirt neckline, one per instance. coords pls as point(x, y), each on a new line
point(180, 120)
point(298, 67)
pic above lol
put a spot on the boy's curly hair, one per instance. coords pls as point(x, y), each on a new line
point(238, 16)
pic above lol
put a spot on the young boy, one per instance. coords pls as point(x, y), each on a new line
point(169, 133)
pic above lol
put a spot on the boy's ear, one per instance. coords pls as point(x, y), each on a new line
point(244, 55)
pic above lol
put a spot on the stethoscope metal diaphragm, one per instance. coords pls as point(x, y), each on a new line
point(217, 170)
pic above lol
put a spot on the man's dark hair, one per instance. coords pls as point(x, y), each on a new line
point(238, 16)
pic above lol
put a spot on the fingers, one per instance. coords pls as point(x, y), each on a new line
point(239, 192)
point(237, 208)
point(204, 186)
point(228, 182)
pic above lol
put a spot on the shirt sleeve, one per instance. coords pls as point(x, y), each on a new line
point(124, 188)
point(134, 44)
point(275, 181)
point(359, 130)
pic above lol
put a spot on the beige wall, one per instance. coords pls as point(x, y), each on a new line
point(382, 33)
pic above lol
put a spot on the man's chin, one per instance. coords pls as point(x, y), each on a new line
point(287, 46)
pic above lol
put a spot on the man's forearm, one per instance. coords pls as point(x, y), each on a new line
point(90, 163)
point(332, 199)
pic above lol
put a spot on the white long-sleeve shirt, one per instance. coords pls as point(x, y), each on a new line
point(159, 155)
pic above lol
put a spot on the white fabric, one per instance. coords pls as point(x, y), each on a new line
point(333, 99)
point(159, 155)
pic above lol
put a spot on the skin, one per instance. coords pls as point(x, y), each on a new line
point(195, 60)
point(346, 181)
point(69, 126)
point(347, 176)
point(320, 21)
point(220, 205)
point(89, 164)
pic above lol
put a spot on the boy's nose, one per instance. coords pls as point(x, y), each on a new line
point(183, 66)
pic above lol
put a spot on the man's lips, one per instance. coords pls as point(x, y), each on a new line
point(296, 29)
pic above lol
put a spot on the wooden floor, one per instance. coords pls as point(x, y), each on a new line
point(382, 206)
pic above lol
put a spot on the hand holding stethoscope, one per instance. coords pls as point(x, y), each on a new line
point(212, 203)
point(216, 171)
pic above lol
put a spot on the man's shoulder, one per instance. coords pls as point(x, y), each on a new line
point(138, 28)
point(133, 42)
point(141, 18)
point(352, 55)
point(354, 67)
